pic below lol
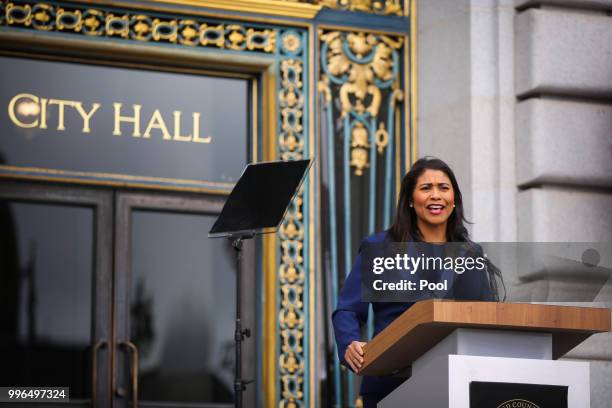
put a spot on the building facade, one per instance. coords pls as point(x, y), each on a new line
point(127, 124)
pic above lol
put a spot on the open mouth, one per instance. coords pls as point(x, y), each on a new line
point(435, 209)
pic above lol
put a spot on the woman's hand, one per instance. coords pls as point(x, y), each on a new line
point(354, 355)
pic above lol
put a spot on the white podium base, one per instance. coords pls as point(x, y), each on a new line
point(441, 377)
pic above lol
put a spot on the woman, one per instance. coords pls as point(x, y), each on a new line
point(430, 209)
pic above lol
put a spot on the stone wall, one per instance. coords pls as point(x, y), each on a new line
point(564, 138)
point(517, 97)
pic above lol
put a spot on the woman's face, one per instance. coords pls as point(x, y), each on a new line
point(433, 198)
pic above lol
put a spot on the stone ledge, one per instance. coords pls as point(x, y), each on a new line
point(563, 53)
point(583, 4)
point(554, 214)
point(564, 142)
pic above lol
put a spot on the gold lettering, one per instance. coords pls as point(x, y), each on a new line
point(11, 110)
point(196, 130)
point(60, 111)
point(86, 116)
point(43, 113)
point(25, 104)
point(177, 128)
point(157, 122)
point(131, 119)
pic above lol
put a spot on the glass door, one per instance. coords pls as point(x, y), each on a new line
point(55, 289)
point(175, 304)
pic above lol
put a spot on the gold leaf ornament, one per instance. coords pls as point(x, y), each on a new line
point(360, 145)
point(289, 363)
point(359, 160)
point(382, 64)
point(291, 42)
point(338, 63)
point(359, 44)
point(42, 16)
point(289, 273)
point(189, 33)
point(359, 136)
point(381, 137)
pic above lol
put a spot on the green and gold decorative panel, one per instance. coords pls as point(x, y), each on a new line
point(131, 25)
point(294, 262)
point(383, 7)
point(363, 105)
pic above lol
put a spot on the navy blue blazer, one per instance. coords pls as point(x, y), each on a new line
point(351, 313)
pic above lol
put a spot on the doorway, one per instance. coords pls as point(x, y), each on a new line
point(121, 296)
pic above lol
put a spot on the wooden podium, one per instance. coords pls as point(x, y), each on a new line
point(450, 344)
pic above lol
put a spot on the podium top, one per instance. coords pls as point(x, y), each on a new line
point(426, 323)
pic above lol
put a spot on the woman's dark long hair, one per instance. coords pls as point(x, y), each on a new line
point(405, 227)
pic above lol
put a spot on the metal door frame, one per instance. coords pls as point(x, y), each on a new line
point(101, 202)
point(123, 386)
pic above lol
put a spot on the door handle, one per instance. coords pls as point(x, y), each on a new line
point(94, 370)
point(133, 350)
